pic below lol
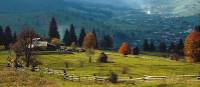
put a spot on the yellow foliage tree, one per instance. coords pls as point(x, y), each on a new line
point(55, 41)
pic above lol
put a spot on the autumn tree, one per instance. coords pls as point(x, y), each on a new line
point(81, 37)
point(53, 29)
point(192, 46)
point(73, 45)
point(23, 46)
point(124, 48)
point(89, 44)
point(55, 41)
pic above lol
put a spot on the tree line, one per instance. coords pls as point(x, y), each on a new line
point(174, 47)
point(70, 36)
point(7, 37)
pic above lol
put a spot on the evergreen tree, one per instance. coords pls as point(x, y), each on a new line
point(162, 47)
point(66, 38)
point(8, 37)
point(136, 51)
point(152, 46)
point(72, 34)
point(106, 42)
point(146, 45)
point(2, 36)
point(53, 29)
point(171, 47)
point(94, 32)
point(14, 37)
point(180, 47)
point(81, 37)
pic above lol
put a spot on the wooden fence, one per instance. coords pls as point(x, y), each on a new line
point(106, 78)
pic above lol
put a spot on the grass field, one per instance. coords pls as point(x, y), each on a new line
point(137, 66)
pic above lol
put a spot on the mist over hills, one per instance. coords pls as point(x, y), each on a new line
point(125, 20)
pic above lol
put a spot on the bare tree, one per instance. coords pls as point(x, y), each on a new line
point(24, 45)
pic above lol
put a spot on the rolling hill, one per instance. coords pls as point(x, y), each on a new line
point(153, 19)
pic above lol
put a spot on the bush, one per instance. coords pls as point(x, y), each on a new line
point(66, 64)
point(103, 58)
point(125, 70)
point(113, 77)
point(135, 51)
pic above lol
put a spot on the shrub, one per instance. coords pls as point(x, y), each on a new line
point(66, 64)
point(113, 77)
point(81, 63)
point(103, 58)
point(55, 41)
point(174, 56)
point(125, 70)
point(135, 51)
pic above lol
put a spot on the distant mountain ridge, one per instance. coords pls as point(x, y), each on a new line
point(125, 22)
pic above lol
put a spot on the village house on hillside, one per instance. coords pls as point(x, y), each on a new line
point(42, 44)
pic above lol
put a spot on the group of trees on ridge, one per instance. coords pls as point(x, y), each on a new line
point(106, 42)
point(7, 37)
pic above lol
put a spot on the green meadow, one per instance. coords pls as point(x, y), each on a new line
point(152, 64)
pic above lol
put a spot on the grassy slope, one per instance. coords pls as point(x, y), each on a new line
point(138, 66)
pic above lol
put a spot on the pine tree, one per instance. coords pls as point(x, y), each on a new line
point(81, 37)
point(53, 29)
point(2, 36)
point(171, 47)
point(66, 38)
point(94, 32)
point(106, 42)
point(180, 47)
point(152, 46)
point(146, 45)
point(8, 37)
point(72, 34)
point(14, 37)
point(162, 47)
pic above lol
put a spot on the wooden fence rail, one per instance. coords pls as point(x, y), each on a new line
point(106, 78)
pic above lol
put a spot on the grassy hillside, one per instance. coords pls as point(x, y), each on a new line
point(137, 66)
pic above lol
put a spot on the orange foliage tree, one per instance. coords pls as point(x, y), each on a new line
point(192, 46)
point(89, 41)
point(89, 44)
point(124, 49)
